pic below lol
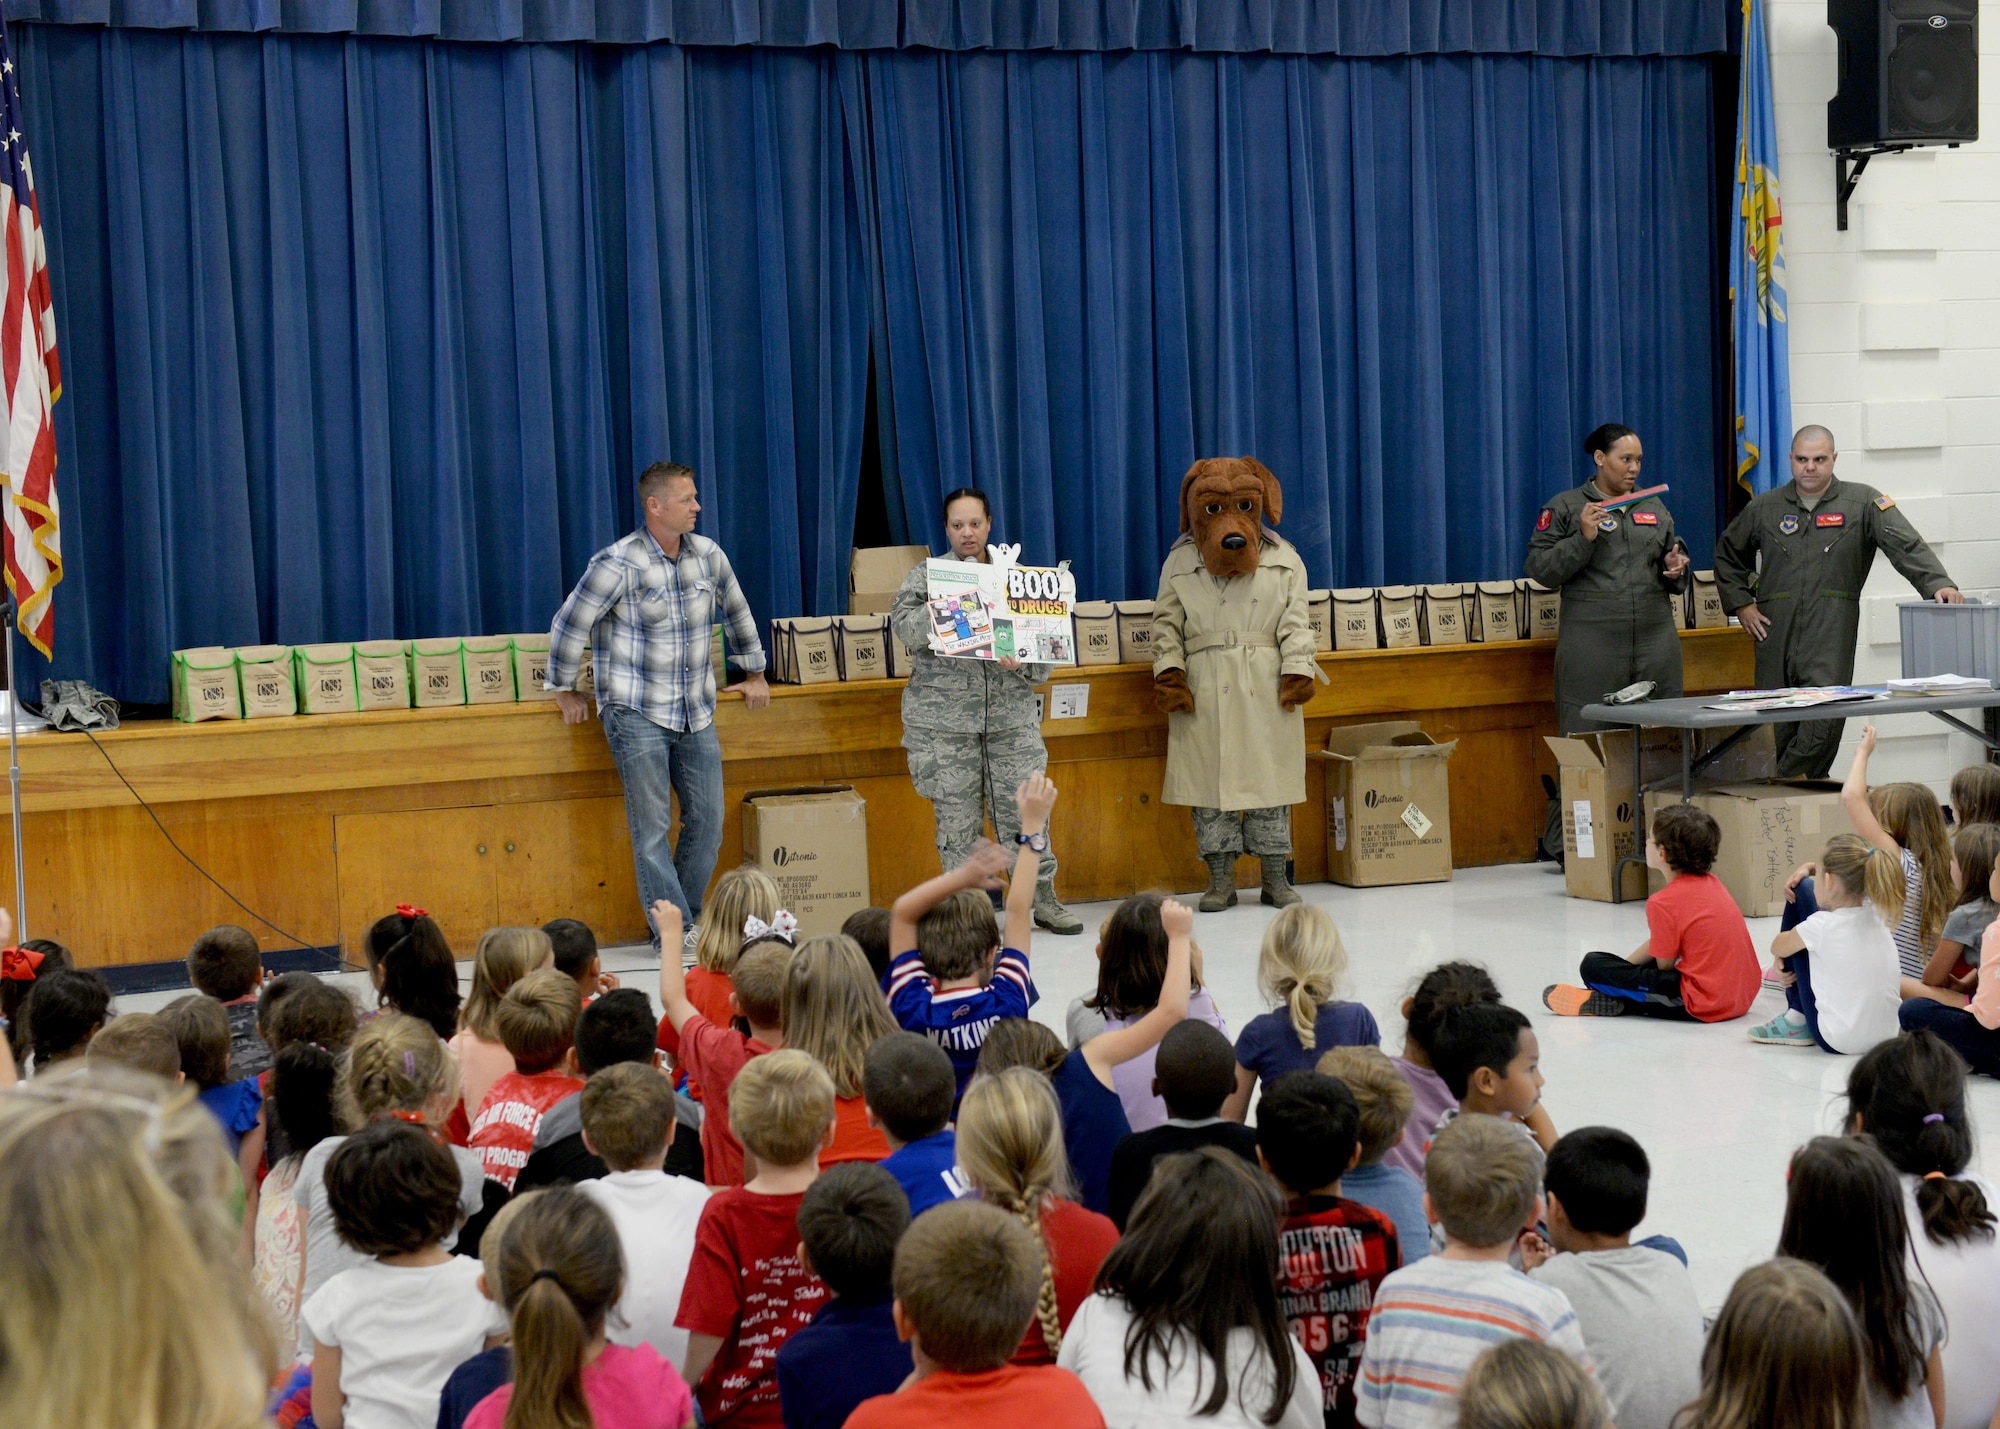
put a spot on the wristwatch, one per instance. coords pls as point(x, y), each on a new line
point(1038, 842)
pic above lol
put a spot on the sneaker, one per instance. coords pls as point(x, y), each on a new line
point(1771, 979)
point(1781, 1031)
point(1568, 1000)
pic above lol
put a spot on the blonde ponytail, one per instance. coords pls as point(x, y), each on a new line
point(1300, 965)
point(1868, 872)
point(1010, 1147)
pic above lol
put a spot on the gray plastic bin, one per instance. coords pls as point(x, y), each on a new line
point(1950, 639)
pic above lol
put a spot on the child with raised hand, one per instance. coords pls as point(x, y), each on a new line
point(1010, 1149)
point(413, 970)
point(537, 1024)
point(1133, 950)
point(225, 964)
point(1907, 1095)
point(1193, 1074)
point(1489, 1058)
point(834, 1012)
point(1186, 1327)
point(1522, 1384)
point(1906, 822)
point(560, 1275)
point(967, 1279)
point(628, 1119)
point(1444, 987)
point(1844, 1214)
point(951, 976)
point(714, 1054)
point(503, 958)
point(1382, 1099)
point(1431, 1320)
point(1698, 963)
point(849, 1224)
point(1299, 967)
point(1975, 855)
point(388, 1333)
point(1837, 963)
point(747, 1290)
point(1636, 1304)
point(908, 1084)
point(742, 909)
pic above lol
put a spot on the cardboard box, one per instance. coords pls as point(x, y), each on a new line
point(874, 574)
point(1396, 610)
point(1597, 794)
point(1388, 805)
point(809, 657)
point(1542, 611)
point(1495, 614)
point(1135, 632)
point(265, 675)
point(381, 675)
point(437, 673)
point(324, 678)
point(1707, 601)
point(1768, 829)
point(489, 670)
point(813, 841)
point(1355, 626)
point(1319, 612)
point(206, 685)
point(1441, 613)
point(531, 666)
point(1096, 623)
point(860, 646)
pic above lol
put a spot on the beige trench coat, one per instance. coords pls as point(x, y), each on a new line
point(1235, 637)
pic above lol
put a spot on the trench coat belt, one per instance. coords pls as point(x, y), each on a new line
point(1231, 640)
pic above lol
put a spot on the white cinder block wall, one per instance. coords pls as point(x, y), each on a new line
point(1895, 332)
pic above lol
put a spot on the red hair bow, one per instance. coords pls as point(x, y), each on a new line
point(410, 910)
point(19, 964)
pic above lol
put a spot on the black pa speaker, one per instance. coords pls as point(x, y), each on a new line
point(1909, 72)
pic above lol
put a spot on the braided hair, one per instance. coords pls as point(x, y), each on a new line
point(1010, 1146)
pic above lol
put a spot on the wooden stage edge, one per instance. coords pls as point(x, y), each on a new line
point(502, 814)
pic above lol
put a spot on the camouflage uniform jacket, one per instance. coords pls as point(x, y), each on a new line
point(959, 695)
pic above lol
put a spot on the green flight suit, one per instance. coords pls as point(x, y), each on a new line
point(1814, 564)
point(1617, 623)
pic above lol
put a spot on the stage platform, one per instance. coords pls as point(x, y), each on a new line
point(502, 814)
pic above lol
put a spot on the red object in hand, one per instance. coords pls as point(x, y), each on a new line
point(1171, 693)
point(1293, 691)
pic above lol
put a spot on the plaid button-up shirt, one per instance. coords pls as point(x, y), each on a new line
point(647, 619)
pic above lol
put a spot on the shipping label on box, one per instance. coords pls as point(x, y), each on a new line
point(1319, 614)
point(1442, 609)
point(1096, 624)
point(1768, 829)
point(531, 667)
point(265, 673)
point(1707, 601)
point(860, 646)
point(381, 675)
point(1388, 805)
point(874, 574)
point(1354, 623)
point(324, 677)
point(437, 673)
point(1494, 612)
point(1398, 614)
point(1544, 611)
point(206, 684)
point(1135, 632)
point(489, 670)
point(813, 842)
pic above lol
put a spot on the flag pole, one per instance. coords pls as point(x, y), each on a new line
point(14, 785)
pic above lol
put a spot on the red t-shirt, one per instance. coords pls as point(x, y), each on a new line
point(747, 1286)
point(503, 1130)
point(1694, 919)
point(1332, 1255)
point(1004, 1398)
point(1077, 1241)
point(709, 992)
point(713, 1054)
point(853, 1138)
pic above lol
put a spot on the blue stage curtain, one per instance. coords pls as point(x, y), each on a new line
point(1323, 27)
point(1409, 286)
point(369, 338)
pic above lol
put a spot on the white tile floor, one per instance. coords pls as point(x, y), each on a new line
point(1718, 1115)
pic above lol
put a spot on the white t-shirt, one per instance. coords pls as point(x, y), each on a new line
point(656, 1215)
point(1856, 983)
point(401, 1330)
point(1093, 1349)
point(1965, 1276)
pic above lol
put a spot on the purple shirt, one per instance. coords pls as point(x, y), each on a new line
point(1134, 1079)
point(1433, 1100)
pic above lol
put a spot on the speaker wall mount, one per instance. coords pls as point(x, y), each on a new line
point(1908, 75)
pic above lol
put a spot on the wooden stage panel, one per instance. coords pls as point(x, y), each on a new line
point(324, 823)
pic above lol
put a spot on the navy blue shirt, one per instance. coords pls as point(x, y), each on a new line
point(1132, 1161)
point(924, 1169)
point(1094, 1123)
point(471, 1382)
point(847, 1354)
point(1269, 1045)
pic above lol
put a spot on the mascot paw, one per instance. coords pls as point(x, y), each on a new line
point(1171, 693)
point(1293, 691)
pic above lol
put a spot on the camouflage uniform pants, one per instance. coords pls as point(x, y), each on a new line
point(1239, 831)
point(969, 776)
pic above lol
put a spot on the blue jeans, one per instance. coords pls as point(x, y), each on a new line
point(1799, 996)
point(654, 764)
point(1980, 1048)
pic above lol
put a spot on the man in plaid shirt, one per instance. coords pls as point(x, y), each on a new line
point(645, 608)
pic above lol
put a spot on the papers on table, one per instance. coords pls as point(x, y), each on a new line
point(1940, 685)
point(1761, 701)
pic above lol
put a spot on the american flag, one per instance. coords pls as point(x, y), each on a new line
point(30, 380)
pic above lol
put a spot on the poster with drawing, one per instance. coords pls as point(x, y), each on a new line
point(1001, 610)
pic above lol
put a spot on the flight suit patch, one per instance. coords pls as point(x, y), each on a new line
point(1609, 523)
point(1883, 503)
point(1830, 518)
point(1789, 526)
point(1645, 518)
point(1545, 520)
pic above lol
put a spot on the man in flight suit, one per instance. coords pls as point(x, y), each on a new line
point(1817, 537)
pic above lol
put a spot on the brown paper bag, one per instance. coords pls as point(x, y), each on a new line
point(489, 670)
point(265, 672)
point(437, 672)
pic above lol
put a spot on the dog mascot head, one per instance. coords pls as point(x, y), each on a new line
point(1226, 501)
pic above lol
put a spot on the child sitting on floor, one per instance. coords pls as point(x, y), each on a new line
point(1441, 989)
point(1698, 964)
point(1487, 1054)
point(1786, 1349)
point(1383, 1099)
point(1975, 853)
point(741, 911)
point(141, 1041)
point(414, 971)
point(1975, 795)
point(908, 1085)
point(576, 958)
point(1904, 821)
point(834, 1012)
point(503, 958)
point(1521, 1384)
point(224, 963)
point(1299, 967)
point(537, 1024)
point(1838, 964)
point(1193, 1073)
point(869, 927)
